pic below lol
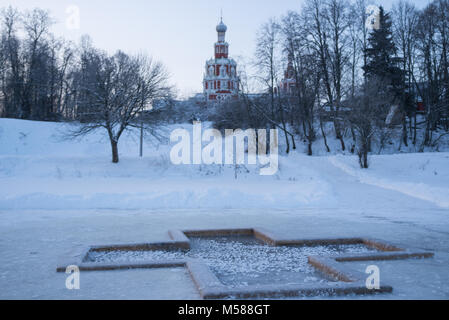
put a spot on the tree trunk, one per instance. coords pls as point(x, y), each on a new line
point(323, 133)
point(354, 140)
point(414, 129)
point(309, 149)
point(365, 160)
point(114, 145)
point(287, 141)
point(404, 131)
point(363, 157)
point(339, 135)
point(293, 142)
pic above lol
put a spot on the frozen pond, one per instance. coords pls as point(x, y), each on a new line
point(241, 260)
point(32, 241)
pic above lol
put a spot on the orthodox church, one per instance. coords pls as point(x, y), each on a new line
point(221, 81)
point(288, 84)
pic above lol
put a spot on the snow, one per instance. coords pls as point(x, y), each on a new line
point(42, 170)
point(423, 176)
point(56, 195)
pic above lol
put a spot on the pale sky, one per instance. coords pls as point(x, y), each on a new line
point(179, 33)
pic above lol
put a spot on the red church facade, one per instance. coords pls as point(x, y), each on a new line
point(220, 79)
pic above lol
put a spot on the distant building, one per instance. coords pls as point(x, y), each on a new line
point(288, 84)
point(220, 79)
point(416, 91)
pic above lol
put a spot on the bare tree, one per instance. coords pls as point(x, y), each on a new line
point(368, 112)
point(12, 67)
point(405, 20)
point(36, 25)
point(432, 80)
point(306, 73)
point(268, 58)
point(328, 29)
point(360, 20)
point(34, 65)
point(114, 91)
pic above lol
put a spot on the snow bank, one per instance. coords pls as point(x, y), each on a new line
point(41, 170)
point(423, 176)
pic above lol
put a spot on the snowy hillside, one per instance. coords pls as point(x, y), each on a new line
point(41, 170)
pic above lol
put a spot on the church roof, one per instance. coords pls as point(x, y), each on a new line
point(222, 27)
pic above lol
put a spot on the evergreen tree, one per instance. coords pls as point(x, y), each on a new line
point(382, 63)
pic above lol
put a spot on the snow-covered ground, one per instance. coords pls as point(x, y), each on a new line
point(43, 171)
point(423, 176)
point(57, 194)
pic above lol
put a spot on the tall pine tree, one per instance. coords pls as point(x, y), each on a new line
point(382, 63)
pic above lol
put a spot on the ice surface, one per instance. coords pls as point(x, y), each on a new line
point(33, 241)
point(241, 260)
